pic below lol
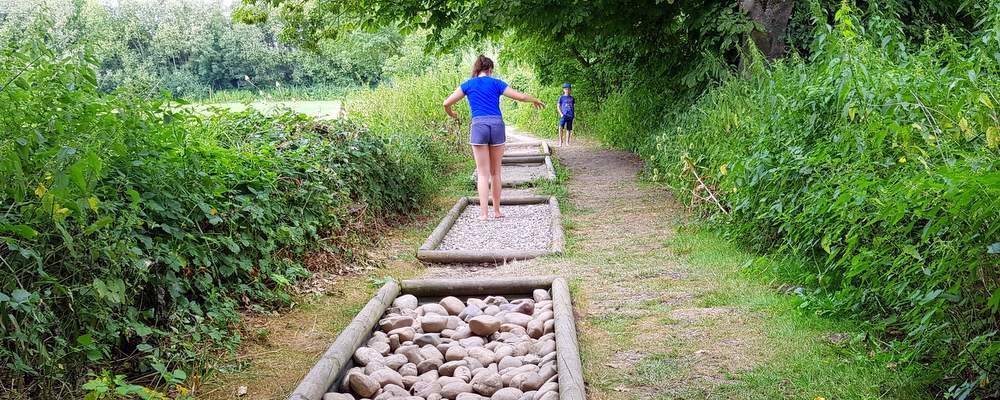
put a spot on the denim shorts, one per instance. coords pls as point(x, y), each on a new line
point(487, 130)
point(566, 122)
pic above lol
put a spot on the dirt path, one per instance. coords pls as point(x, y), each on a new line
point(628, 283)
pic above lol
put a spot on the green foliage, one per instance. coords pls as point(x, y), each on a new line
point(134, 232)
point(193, 48)
point(882, 166)
point(602, 42)
point(542, 123)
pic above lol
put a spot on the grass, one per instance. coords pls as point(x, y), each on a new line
point(803, 362)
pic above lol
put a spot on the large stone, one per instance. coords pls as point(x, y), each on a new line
point(507, 394)
point(470, 311)
point(524, 306)
point(491, 310)
point(545, 315)
point(509, 362)
point(452, 305)
point(456, 353)
point(337, 396)
point(496, 300)
point(381, 348)
point(472, 301)
point(470, 396)
point(486, 382)
point(503, 350)
point(527, 381)
point(363, 385)
point(461, 332)
point(536, 328)
point(544, 347)
point(431, 364)
point(365, 355)
point(546, 388)
point(378, 337)
point(515, 318)
point(454, 322)
point(448, 368)
point(374, 366)
point(484, 325)
point(387, 376)
point(408, 369)
point(395, 322)
point(427, 339)
point(395, 361)
point(470, 342)
point(541, 295)
point(406, 302)
point(462, 372)
point(424, 389)
point(429, 351)
point(548, 396)
point(483, 355)
point(433, 323)
point(452, 390)
point(405, 333)
point(434, 308)
point(393, 391)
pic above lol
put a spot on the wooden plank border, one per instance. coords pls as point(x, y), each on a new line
point(571, 386)
point(325, 375)
point(428, 252)
point(550, 171)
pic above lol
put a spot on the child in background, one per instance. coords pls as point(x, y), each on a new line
point(566, 105)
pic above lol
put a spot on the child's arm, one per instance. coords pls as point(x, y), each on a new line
point(457, 95)
point(509, 92)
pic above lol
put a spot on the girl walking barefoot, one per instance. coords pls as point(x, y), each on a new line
point(486, 133)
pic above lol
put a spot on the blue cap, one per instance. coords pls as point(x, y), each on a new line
point(567, 86)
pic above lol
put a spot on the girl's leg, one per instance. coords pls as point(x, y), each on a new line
point(496, 157)
point(481, 153)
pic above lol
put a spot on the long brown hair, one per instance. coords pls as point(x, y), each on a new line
point(482, 63)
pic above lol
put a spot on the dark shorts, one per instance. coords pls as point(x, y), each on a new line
point(487, 130)
point(566, 122)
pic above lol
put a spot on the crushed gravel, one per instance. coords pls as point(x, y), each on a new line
point(524, 227)
point(522, 173)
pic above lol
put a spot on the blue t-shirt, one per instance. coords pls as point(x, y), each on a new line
point(566, 105)
point(484, 95)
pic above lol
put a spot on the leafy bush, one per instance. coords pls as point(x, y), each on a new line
point(880, 164)
point(134, 232)
point(542, 123)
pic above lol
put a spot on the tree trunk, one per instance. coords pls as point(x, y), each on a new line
point(773, 16)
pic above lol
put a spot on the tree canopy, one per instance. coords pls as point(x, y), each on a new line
point(689, 42)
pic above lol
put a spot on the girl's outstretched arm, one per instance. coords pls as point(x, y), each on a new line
point(455, 96)
point(509, 92)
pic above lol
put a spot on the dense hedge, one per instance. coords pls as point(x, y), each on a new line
point(879, 165)
point(135, 232)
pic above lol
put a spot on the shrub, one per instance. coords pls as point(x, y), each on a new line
point(880, 165)
point(134, 232)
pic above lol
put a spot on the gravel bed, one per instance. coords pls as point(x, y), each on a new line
point(523, 151)
point(523, 172)
point(524, 227)
point(480, 349)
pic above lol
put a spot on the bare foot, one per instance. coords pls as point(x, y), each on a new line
point(484, 217)
point(497, 214)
